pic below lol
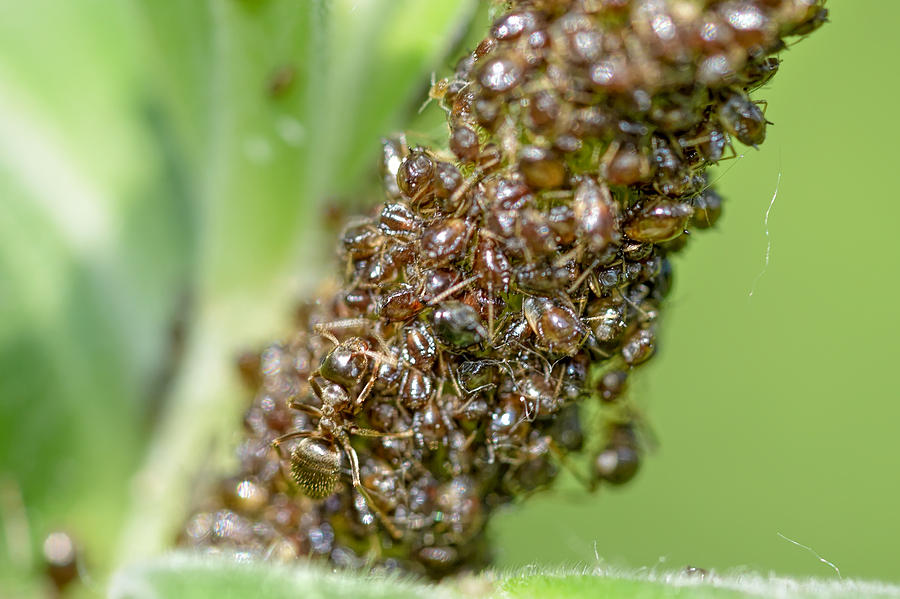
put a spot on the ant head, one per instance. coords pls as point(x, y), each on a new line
point(347, 363)
point(315, 466)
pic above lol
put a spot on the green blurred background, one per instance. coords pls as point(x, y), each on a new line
point(161, 201)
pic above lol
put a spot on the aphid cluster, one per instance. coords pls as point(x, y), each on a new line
point(493, 307)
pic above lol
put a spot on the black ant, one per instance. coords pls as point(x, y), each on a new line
point(316, 460)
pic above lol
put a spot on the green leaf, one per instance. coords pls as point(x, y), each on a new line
point(188, 575)
point(87, 270)
point(680, 585)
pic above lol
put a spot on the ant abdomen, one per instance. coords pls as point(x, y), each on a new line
point(315, 467)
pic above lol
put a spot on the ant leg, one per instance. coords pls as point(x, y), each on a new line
point(588, 482)
point(584, 275)
point(451, 290)
point(361, 398)
point(357, 484)
point(378, 359)
point(324, 328)
point(306, 409)
point(276, 443)
point(368, 432)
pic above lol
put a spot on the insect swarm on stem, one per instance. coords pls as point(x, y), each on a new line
point(492, 309)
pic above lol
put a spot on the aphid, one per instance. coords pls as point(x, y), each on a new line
point(444, 242)
point(595, 213)
point(541, 169)
point(619, 461)
point(398, 220)
point(447, 179)
point(606, 317)
point(458, 325)
point(639, 347)
point(492, 265)
point(707, 209)
point(760, 72)
point(743, 119)
point(464, 143)
point(557, 327)
point(415, 175)
point(430, 428)
point(361, 241)
point(393, 151)
point(628, 165)
point(420, 348)
point(658, 221)
point(543, 277)
point(612, 385)
point(245, 494)
point(402, 303)
point(752, 27)
point(416, 388)
point(500, 74)
point(508, 425)
point(512, 25)
point(578, 38)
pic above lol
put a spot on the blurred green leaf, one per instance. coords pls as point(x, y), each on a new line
point(163, 165)
point(187, 576)
point(86, 293)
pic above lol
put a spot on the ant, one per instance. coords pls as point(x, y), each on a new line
point(316, 460)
